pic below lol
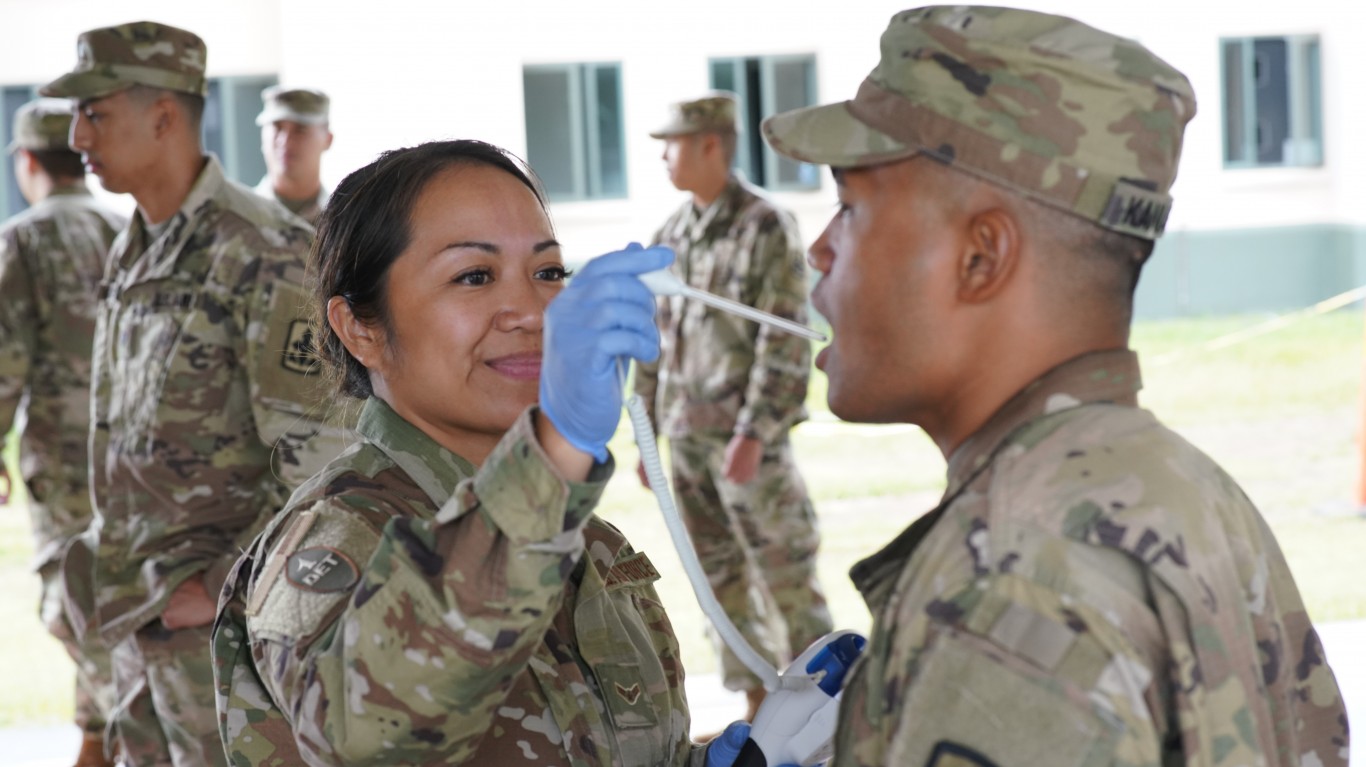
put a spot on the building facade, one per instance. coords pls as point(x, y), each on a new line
point(1270, 205)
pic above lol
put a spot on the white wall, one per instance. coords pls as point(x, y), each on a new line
point(404, 71)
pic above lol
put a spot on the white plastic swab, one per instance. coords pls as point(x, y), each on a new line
point(665, 283)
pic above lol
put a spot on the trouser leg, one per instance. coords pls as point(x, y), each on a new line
point(166, 712)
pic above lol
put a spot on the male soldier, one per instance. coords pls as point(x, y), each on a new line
point(294, 135)
point(51, 261)
point(727, 392)
point(1092, 589)
point(203, 399)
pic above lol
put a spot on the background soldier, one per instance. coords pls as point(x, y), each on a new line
point(727, 391)
point(204, 408)
point(51, 261)
point(294, 135)
point(1092, 589)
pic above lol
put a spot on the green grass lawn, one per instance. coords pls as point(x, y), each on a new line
point(1280, 412)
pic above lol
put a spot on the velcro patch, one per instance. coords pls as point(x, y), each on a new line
point(300, 353)
point(636, 569)
point(946, 753)
point(322, 569)
point(1137, 211)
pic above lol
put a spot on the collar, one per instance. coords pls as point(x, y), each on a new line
point(78, 189)
point(208, 185)
point(1106, 376)
point(434, 468)
point(720, 208)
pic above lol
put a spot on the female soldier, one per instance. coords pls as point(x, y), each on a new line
point(442, 592)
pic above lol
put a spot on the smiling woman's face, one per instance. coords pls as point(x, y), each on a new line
point(461, 358)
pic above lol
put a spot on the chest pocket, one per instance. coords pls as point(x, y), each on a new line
point(628, 645)
point(169, 351)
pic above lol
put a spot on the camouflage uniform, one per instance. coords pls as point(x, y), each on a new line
point(300, 105)
point(720, 375)
point(308, 210)
point(1091, 589)
point(407, 608)
point(51, 262)
point(1098, 590)
point(206, 409)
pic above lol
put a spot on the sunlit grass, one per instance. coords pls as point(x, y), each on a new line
point(1280, 412)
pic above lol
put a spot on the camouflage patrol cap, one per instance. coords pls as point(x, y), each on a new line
point(42, 124)
point(111, 59)
point(1044, 105)
point(713, 112)
point(301, 105)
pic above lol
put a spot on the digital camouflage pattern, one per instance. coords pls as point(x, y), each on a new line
point(301, 105)
point(309, 210)
point(719, 375)
point(714, 112)
point(166, 722)
point(408, 609)
point(1066, 114)
point(112, 59)
point(51, 262)
point(1091, 590)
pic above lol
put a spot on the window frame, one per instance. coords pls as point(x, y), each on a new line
point(1304, 94)
point(586, 163)
point(770, 161)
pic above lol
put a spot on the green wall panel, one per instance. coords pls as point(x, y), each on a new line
point(1250, 270)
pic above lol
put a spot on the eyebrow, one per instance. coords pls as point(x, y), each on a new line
point(489, 247)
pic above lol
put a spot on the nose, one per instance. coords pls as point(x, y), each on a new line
point(820, 256)
point(524, 307)
point(79, 136)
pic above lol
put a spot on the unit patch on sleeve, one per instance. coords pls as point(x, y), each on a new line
point(300, 355)
point(322, 569)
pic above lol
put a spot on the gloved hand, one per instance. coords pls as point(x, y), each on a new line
point(606, 312)
point(721, 752)
point(723, 749)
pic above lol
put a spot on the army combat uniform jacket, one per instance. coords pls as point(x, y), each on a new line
point(407, 608)
point(52, 259)
point(717, 373)
point(308, 210)
point(206, 406)
point(1092, 590)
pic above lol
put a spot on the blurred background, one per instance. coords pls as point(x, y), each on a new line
point(1240, 354)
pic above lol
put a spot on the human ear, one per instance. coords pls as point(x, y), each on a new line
point(990, 254)
point(363, 341)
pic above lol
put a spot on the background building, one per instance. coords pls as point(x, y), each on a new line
point(1271, 201)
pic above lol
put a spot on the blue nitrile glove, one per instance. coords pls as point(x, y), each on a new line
point(723, 749)
point(604, 313)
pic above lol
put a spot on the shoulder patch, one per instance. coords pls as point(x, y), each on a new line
point(946, 753)
point(322, 569)
point(300, 354)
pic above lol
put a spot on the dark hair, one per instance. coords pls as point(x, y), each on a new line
point(367, 224)
point(59, 163)
point(190, 103)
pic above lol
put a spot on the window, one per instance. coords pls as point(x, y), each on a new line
point(1271, 102)
point(767, 85)
point(575, 135)
point(11, 98)
point(230, 129)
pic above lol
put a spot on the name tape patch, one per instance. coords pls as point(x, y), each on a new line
point(1137, 211)
point(322, 569)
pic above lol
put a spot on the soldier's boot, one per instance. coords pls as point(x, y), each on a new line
point(92, 752)
point(756, 699)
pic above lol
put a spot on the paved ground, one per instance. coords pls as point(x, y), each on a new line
point(713, 707)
